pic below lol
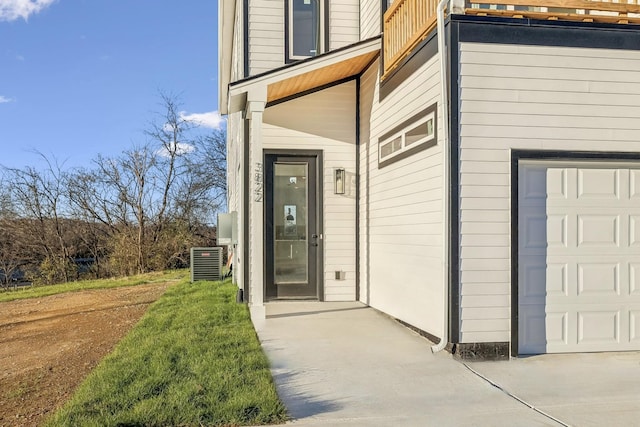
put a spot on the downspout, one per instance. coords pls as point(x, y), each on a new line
point(446, 155)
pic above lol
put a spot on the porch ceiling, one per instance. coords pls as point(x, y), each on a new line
point(319, 77)
point(306, 75)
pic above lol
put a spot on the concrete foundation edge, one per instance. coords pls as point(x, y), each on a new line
point(481, 351)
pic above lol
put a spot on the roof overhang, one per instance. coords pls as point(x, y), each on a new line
point(306, 75)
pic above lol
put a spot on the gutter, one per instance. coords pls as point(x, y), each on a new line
point(446, 159)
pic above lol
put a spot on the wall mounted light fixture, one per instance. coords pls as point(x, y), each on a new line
point(339, 177)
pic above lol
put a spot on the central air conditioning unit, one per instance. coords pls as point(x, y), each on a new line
point(206, 264)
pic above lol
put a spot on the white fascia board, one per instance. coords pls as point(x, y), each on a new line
point(226, 22)
point(237, 91)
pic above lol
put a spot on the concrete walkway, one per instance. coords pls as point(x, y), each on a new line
point(343, 364)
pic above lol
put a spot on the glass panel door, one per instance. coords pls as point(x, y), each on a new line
point(292, 238)
point(290, 223)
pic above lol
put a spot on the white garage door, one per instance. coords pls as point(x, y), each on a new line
point(579, 257)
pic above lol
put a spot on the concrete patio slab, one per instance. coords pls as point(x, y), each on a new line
point(344, 364)
point(588, 389)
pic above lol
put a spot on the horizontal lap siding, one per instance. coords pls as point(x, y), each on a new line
point(369, 18)
point(234, 160)
point(235, 144)
point(266, 35)
point(344, 23)
point(401, 215)
point(325, 120)
point(368, 93)
point(237, 64)
point(527, 97)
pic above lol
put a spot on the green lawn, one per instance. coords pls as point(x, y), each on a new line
point(193, 360)
point(43, 291)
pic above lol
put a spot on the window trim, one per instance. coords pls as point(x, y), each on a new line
point(288, 34)
point(430, 113)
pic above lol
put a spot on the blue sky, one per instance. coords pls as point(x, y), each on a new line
point(82, 77)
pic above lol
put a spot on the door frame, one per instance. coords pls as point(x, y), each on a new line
point(318, 154)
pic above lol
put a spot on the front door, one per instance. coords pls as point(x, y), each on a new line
point(292, 230)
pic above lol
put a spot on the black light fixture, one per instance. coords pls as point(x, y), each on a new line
point(339, 176)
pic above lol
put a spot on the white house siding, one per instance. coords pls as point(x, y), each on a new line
point(266, 35)
point(404, 216)
point(237, 55)
point(368, 91)
point(325, 120)
point(369, 18)
point(266, 31)
point(527, 97)
point(235, 140)
point(344, 23)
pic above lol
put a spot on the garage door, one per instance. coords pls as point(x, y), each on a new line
point(578, 257)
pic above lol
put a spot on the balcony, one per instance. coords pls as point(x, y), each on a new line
point(620, 12)
point(408, 22)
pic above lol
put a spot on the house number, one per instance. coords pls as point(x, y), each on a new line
point(258, 192)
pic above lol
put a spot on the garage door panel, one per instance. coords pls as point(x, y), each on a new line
point(581, 292)
point(634, 232)
point(557, 231)
point(531, 330)
point(556, 180)
point(532, 274)
point(601, 327)
point(634, 326)
point(602, 279)
point(601, 231)
point(634, 279)
point(557, 276)
point(598, 184)
point(557, 328)
point(533, 237)
point(634, 184)
point(533, 187)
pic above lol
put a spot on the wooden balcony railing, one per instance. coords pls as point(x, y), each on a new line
point(406, 23)
point(620, 12)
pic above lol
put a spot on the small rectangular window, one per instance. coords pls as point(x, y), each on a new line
point(419, 133)
point(391, 147)
point(413, 135)
point(305, 28)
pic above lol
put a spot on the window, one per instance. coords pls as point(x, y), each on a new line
point(416, 134)
point(305, 28)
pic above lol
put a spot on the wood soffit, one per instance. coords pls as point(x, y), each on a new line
point(319, 77)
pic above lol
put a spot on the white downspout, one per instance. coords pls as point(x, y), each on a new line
point(444, 103)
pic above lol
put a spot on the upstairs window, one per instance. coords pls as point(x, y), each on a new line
point(305, 28)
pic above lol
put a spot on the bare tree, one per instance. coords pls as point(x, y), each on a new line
point(39, 199)
point(138, 211)
point(12, 255)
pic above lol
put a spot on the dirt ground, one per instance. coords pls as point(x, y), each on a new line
point(49, 345)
